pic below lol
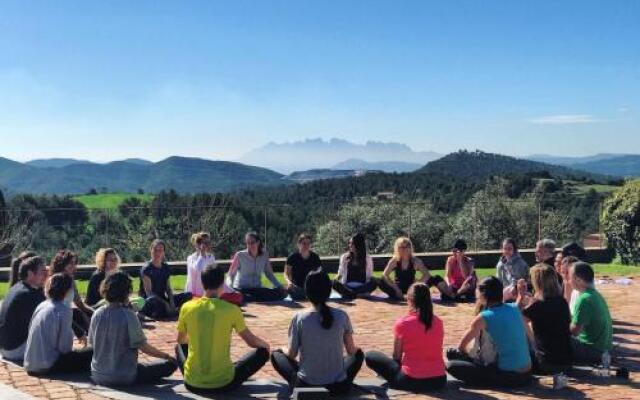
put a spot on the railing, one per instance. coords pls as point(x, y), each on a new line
point(130, 229)
point(435, 260)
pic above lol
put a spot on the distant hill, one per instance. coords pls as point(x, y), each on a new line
point(65, 162)
point(321, 154)
point(186, 175)
point(55, 162)
point(385, 166)
point(139, 161)
point(315, 174)
point(567, 161)
point(481, 165)
point(626, 166)
point(623, 165)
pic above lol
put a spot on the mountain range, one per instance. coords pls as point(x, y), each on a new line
point(321, 154)
point(187, 175)
point(623, 165)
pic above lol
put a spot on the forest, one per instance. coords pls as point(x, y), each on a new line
point(432, 208)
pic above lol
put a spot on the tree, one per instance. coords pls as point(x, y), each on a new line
point(382, 222)
point(621, 222)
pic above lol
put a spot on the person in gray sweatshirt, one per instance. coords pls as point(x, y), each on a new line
point(49, 347)
point(511, 268)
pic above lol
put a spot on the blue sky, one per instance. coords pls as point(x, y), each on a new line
point(114, 79)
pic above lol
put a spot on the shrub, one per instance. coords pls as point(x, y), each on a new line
point(621, 222)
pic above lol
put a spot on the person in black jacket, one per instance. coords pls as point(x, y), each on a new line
point(18, 307)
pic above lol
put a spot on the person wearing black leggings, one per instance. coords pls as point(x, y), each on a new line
point(506, 327)
point(404, 265)
point(417, 363)
point(247, 268)
point(319, 335)
point(204, 339)
point(355, 272)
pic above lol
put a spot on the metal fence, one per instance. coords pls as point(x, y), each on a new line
point(129, 229)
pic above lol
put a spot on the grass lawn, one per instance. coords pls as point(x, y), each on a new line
point(109, 200)
point(178, 281)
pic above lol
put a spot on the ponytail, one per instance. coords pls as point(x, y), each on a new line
point(317, 287)
point(421, 296)
point(326, 316)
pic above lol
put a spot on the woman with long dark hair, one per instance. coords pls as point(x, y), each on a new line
point(319, 336)
point(511, 268)
point(505, 326)
point(15, 266)
point(355, 272)
point(417, 362)
point(247, 268)
point(66, 262)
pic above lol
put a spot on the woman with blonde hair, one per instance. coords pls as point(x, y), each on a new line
point(107, 262)
point(405, 264)
point(549, 316)
point(196, 263)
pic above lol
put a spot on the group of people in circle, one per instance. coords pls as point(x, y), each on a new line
point(538, 320)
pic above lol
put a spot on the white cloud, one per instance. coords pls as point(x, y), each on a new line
point(565, 119)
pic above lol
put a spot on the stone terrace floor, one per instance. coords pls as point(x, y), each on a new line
point(372, 321)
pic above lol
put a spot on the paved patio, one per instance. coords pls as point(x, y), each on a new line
point(372, 321)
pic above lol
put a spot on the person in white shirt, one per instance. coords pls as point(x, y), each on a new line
point(355, 273)
point(197, 262)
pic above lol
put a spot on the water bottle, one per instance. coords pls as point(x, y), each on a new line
point(604, 369)
point(559, 381)
point(606, 360)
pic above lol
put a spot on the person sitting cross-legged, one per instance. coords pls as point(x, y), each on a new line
point(204, 339)
point(591, 324)
point(506, 328)
point(247, 268)
point(319, 335)
point(417, 363)
point(404, 265)
point(155, 286)
point(18, 307)
point(116, 336)
point(50, 342)
point(298, 266)
point(355, 272)
point(549, 316)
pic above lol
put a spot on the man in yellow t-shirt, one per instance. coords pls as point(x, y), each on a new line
point(204, 338)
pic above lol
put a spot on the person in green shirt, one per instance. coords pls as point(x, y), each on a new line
point(591, 324)
point(204, 339)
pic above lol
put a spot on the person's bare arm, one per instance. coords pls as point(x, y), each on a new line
point(473, 332)
point(183, 338)
point(349, 344)
point(397, 349)
point(154, 352)
point(425, 275)
point(172, 304)
point(146, 284)
point(521, 287)
point(287, 275)
point(386, 275)
point(575, 329)
point(252, 340)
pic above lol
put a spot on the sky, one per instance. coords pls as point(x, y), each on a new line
point(106, 80)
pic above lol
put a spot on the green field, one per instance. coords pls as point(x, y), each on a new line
point(581, 188)
point(109, 200)
point(178, 281)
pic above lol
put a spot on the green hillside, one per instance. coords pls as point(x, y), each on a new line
point(109, 200)
point(481, 165)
